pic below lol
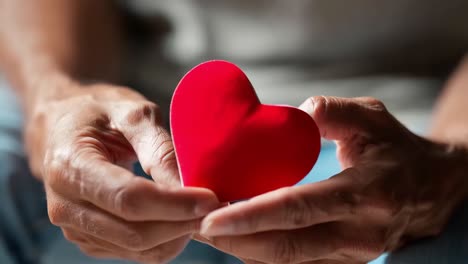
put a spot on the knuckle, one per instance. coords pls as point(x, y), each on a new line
point(126, 199)
point(63, 168)
point(166, 154)
point(347, 200)
point(84, 222)
point(163, 152)
point(297, 210)
point(374, 104)
point(123, 202)
point(58, 213)
point(143, 112)
point(55, 169)
point(164, 149)
point(285, 250)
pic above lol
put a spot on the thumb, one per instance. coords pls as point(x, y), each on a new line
point(141, 126)
point(344, 118)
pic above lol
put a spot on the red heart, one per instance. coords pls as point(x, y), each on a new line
point(229, 142)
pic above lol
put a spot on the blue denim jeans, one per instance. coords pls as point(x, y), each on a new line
point(26, 236)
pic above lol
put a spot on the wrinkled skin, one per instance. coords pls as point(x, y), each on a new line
point(395, 187)
point(82, 143)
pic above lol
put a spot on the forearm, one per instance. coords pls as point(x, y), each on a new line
point(45, 43)
point(450, 123)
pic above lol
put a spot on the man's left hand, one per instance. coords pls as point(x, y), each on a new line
point(395, 187)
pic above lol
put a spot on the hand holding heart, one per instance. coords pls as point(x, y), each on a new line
point(395, 187)
point(79, 144)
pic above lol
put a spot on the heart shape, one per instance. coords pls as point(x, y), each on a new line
point(227, 141)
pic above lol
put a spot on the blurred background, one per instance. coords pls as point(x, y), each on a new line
point(399, 51)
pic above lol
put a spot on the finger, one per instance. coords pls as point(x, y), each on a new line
point(103, 249)
point(338, 241)
point(209, 241)
point(141, 126)
point(134, 236)
point(342, 118)
point(280, 246)
point(287, 208)
point(120, 192)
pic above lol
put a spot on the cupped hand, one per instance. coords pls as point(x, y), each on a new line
point(395, 187)
point(82, 144)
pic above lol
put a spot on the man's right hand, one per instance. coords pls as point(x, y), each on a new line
point(80, 145)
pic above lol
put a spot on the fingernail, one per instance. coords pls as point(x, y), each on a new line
point(312, 105)
point(211, 229)
point(308, 106)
